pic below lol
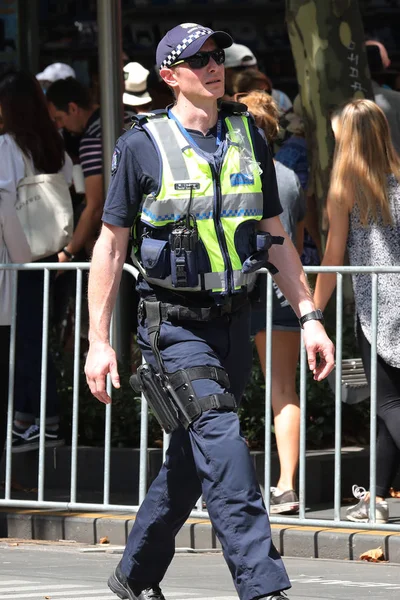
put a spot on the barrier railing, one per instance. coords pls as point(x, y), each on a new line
point(301, 519)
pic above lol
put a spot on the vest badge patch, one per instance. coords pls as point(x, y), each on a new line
point(241, 179)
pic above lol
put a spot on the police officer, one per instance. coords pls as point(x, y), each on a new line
point(196, 185)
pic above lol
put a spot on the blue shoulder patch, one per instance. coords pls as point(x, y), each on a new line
point(241, 179)
point(116, 157)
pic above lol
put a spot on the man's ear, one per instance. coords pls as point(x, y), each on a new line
point(168, 75)
point(72, 108)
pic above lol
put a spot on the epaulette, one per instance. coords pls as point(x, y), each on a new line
point(233, 108)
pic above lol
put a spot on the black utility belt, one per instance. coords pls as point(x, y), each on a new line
point(177, 312)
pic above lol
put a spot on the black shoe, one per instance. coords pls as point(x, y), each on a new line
point(119, 585)
point(28, 439)
point(275, 596)
point(283, 503)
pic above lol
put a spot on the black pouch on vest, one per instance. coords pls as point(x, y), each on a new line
point(184, 266)
point(184, 270)
point(155, 259)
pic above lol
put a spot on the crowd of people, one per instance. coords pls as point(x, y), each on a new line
point(363, 210)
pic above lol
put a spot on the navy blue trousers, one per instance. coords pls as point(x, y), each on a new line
point(212, 459)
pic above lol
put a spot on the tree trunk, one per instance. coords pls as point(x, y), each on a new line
point(327, 40)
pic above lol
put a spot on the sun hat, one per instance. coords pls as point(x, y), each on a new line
point(136, 93)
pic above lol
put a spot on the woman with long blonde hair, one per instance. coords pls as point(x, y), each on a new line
point(285, 325)
point(363, 209)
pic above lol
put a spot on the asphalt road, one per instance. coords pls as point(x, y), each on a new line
point(55, 571)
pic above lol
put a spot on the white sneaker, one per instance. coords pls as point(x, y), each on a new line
point(360, 513)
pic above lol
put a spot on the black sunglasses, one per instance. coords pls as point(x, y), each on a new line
point(201, 59)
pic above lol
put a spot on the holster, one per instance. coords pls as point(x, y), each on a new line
point(150, 383)
point(172, 398)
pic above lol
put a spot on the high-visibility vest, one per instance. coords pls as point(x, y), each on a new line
point(220, 200)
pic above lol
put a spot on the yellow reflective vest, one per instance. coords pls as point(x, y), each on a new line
point(221, 200)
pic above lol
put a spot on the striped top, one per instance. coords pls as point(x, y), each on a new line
point(90, 145)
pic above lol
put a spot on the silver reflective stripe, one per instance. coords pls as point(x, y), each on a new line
point(237, 123)
point(173, 209)
point(238, 205)
point(212, 281)
point(170, 147)
point(240, 279)
point(235, 205)
point(215, 281)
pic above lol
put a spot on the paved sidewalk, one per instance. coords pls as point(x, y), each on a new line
point(198, 535)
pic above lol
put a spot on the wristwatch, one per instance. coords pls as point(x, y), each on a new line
point(314, 315)
point(68, 254)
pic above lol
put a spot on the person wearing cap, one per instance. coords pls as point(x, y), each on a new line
point(136, 97)
point(197, 180)
point(237, 59)
point(53, 73)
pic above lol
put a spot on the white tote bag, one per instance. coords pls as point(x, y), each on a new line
point(44, 208)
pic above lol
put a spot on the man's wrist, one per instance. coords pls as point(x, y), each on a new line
point(98, 340)
point(314, 315)
point(67, 253)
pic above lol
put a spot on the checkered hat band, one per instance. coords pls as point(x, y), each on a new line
point(175, 54)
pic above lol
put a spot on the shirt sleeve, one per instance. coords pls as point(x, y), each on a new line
point(272, 206)
point(9, 175)
point(294, 156)
point(125, 191)
point(301, 200)
point(13, 234)
point(91, 155)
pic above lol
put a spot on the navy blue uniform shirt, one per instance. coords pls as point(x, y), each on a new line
point(136, 173)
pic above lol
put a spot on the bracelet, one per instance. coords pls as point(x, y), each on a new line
point(68, 254)
point(314, 315)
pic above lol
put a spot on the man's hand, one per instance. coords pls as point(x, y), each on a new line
point(317, 342)
point(101, 361)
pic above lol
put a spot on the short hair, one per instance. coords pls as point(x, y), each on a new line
point(64, 91)
point(250, 80)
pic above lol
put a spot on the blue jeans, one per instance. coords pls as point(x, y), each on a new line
point(28, 355)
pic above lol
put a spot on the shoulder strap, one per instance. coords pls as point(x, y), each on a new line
point(143, 118)
point(229, 107)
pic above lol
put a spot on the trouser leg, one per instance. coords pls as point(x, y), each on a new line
point(4, 371)
point(168, 503)
point(221, 461)
point(388, 412)
point(235, 505)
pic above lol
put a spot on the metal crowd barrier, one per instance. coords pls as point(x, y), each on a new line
point(200, 511)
